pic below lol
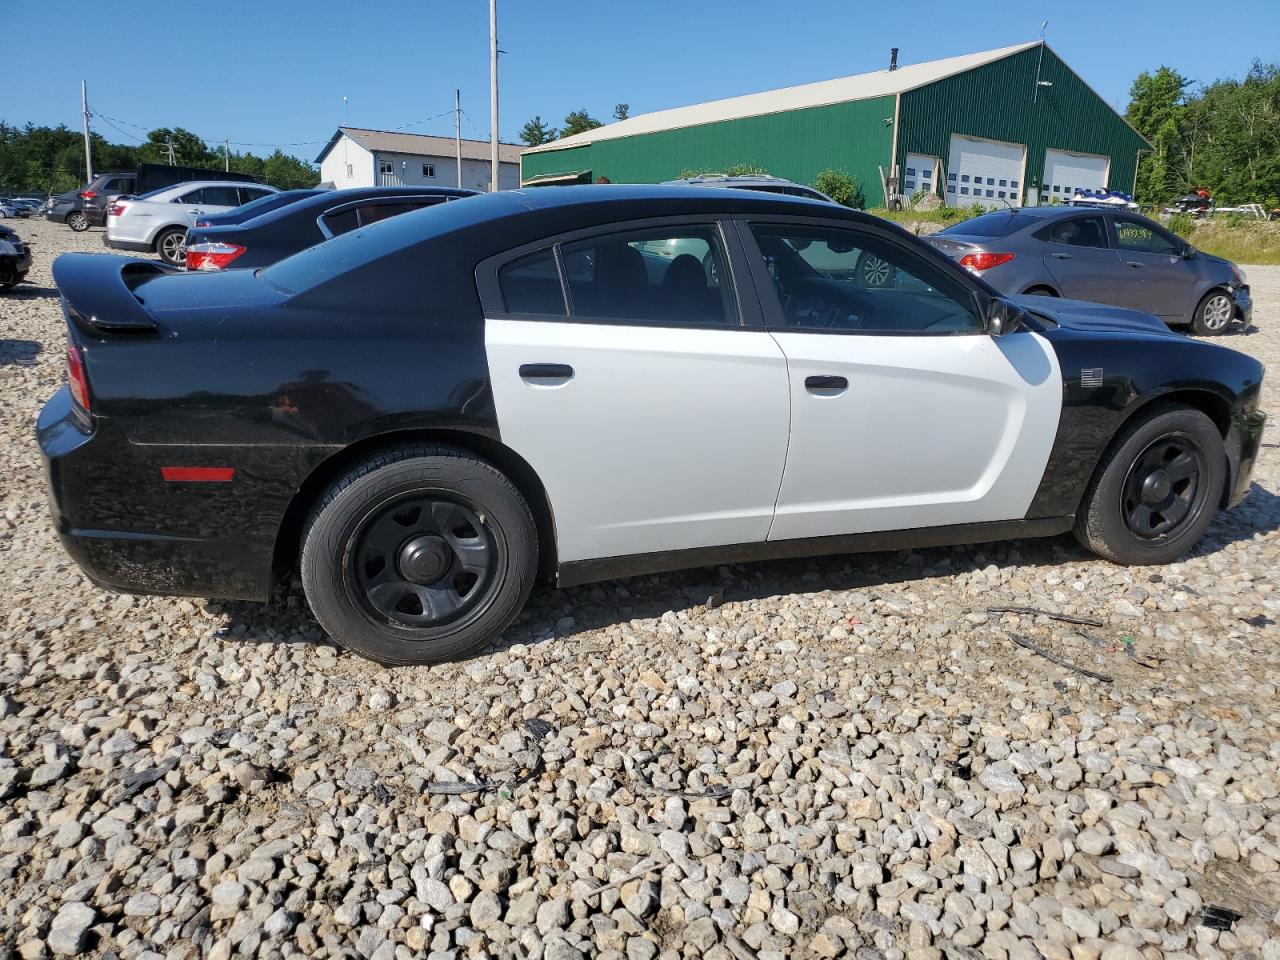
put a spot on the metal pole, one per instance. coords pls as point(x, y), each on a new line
point(226, 154)
point(457, 131)
point(493, 94)
point(84, 114)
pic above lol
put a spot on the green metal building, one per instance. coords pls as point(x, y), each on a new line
point(1014, 125)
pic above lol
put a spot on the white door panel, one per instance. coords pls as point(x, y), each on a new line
point(1065, 173)
point(663, 439)
point(987, 172)
point(931, 431)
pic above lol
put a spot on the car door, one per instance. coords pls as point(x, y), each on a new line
point(1079, 257)
point(1154, 276)
point(631, 374)
point(905, 413)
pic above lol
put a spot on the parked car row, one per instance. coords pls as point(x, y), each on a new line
point(425, 413)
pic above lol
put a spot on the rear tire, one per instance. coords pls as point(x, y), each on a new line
point(1213, 314)
point(1156, 490)
point(171, 245)
point(419, 554)
point(78, 222)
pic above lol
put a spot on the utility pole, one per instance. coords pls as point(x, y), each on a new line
point(226, 154)
point(457, 131)
point(84, 115)
point(168, 147)
point(493, 94)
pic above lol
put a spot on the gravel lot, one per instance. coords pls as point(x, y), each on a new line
point(846, 757)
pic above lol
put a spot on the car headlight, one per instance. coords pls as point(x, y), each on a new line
point(1239, 275)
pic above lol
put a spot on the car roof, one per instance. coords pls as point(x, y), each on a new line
point(1057, 210)
point(674, 194)
point(193, 184)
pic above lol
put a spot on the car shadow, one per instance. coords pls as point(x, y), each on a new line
point(19, 353)
point(552, 613)
point(29, 291)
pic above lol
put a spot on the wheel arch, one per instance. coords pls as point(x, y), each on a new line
point(1048, 288)
point(154, 239)
point(288, 544)
point(1213, 405)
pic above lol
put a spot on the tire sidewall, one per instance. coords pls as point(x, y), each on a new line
point(325, 556)
point(160, 247)
point(1198, 325)
point(79, 223)
point(1126, 546)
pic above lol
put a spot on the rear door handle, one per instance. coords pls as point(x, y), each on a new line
point(546, 372)
point(826, 384)
point(1135, 263)
point(1060, 256)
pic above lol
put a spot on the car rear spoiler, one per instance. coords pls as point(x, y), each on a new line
point(101, 290)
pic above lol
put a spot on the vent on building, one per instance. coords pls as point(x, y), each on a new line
point(893, 58)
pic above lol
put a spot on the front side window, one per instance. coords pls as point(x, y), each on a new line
point(1139, 237)
point(841, 280)
point(1080, 232)
point(664, 276)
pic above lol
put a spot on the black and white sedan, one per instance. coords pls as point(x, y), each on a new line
point(593, 382)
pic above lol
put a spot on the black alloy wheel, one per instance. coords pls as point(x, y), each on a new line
point(1163, 487)
point(422, 561)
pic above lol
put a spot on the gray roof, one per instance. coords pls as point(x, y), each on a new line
point(420, 145)
point(841, 90)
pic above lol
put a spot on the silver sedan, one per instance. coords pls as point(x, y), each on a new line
point(1105, 256)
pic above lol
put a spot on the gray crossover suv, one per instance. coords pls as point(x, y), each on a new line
point(1106, 256)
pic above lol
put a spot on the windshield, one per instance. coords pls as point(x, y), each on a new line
point(999, 223)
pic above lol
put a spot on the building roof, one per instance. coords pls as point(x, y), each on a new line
point(863, 86)
point(420, 145)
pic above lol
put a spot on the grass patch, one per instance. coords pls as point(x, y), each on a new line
point(1256, 242)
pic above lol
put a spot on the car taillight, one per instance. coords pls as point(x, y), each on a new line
point(87, 194)
point(203, 223)
point(977, 262)
point(212, 256)
point(116, 209)
point(76, 379)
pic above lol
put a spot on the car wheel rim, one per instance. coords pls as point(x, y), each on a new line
point(1217, 312)
point(421, 561)
point(174, 248)
point(1163, 490)
point(875, 272)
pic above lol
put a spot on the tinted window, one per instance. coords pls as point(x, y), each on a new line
point(532, 285)
point(382, 211)
point(835, 279)
point(663, 276)
point(250, 194)
point(221, 197)
point(118, 185)
point(341, 222)
point(996, 224)
point(1080, 232)
point(268, 201)
point(1144, 238)
point(195, 196)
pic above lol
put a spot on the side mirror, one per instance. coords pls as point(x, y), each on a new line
point(1003, 318)
point(1188, 252)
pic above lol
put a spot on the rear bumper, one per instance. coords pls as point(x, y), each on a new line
point(137, 246)
point(1243, 443)
point(129, 530)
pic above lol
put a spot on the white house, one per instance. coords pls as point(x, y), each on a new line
point(355, 157)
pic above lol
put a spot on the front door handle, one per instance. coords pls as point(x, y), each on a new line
point(1134, 263)
point(1060, 256)
point(826, 385)
point(546, 372)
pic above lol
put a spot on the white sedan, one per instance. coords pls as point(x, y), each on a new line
point(158, 221)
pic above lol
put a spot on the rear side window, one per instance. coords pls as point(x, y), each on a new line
point(531, 285)
point(664, 277)
point(995, 224)
point(221, 196)
point(195, 196)
point(249, 194)
point(1080, 232)
point(382, 211)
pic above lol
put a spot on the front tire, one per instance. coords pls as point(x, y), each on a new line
point(418, 555)
point(78, 222)
point(171, 244)
point(1156, 490)
point(874, 272)
point(1213, 314)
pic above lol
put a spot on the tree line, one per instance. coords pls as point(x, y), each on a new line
point(51, 159)
point(1224, 136)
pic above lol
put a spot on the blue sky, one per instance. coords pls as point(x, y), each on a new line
point(274, 72)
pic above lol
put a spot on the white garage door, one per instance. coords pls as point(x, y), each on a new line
point(920, 173)
point(984, 171)
point(1065, 173)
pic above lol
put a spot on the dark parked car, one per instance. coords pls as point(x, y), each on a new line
point(428, 411)
point(279, 233)
point(256, 208)
point(15, 259)
point(1106, 256)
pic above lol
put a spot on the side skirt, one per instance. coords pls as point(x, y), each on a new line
point(577, 572)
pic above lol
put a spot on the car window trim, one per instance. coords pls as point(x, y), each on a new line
point(743, 293)
point(771, 307)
